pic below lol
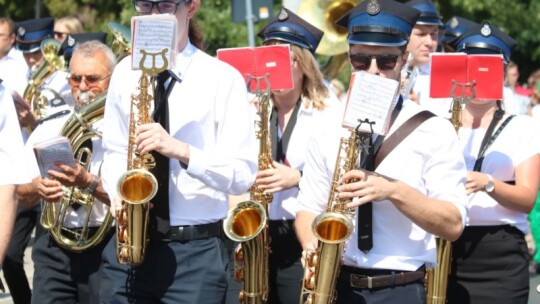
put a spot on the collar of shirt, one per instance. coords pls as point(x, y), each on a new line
point(424, 69)
point(183, 60)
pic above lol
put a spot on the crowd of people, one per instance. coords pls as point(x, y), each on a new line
point(472, 182)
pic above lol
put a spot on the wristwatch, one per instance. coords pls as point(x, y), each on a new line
point(490, 186)
point(92, 186)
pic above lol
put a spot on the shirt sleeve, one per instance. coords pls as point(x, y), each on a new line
point(232, 166)
point(12, 147)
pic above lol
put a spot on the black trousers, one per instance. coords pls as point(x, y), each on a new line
point(412, 293)
point(489, 265)
point(13, 267)
point(172, 272)
point(62, 276)
point(285, 267)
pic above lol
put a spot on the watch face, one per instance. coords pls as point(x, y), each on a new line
point(490, 186)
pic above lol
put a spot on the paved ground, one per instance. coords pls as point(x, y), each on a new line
point(5, 298)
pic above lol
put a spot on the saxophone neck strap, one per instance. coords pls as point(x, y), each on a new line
point(400, 134)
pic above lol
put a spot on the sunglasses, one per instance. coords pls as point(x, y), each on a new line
point(164, 7)
point(361, 62)
point(90, 80)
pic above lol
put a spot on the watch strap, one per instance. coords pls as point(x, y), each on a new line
point(90, 189)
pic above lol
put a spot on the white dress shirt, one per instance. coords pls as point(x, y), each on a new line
point(50, 129)
point(428, 160)
point(517, 142)
point(14, 71)
point(12, 161)
point(209, 111)
point(307, 120)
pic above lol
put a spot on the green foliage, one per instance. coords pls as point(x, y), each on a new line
point(519, 18)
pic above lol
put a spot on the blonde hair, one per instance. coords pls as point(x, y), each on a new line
point(314, 91)
point(73, 24)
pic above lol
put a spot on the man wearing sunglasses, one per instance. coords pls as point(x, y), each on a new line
point(206, 151)
point(62, 275)
point(416, 192)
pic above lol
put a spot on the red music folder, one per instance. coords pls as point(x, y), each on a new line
point(274, 60)
point(485, 70)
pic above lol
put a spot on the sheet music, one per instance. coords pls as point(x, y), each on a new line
point(57, 149)
point(152, 34)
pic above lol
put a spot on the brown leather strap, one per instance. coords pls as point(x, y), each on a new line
point(400, 134)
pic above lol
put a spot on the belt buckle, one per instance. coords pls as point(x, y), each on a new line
point(360, 277)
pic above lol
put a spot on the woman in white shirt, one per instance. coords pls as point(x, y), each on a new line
point(490, 259)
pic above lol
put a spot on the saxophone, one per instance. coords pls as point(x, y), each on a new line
point(332, 228)
point(137, 186)
point(247, 224)
point(437, 278)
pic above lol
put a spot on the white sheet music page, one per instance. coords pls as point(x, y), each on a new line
point(370, 98)
point(152, 34)
point(56, 149)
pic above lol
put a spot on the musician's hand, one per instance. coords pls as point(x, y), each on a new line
point(69, 176)
point(279, 178)
point(365, 186)
point(152, 137)
point(48, 189)
point(476, 181)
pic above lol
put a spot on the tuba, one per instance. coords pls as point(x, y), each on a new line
point(137, 186)
point(78, 129)
point(332, 228)
point(51, 63)
point(247, 223)
point(323, 14)
point(121, 45)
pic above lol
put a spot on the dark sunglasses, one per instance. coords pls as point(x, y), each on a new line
point(91, 80)
point(164, 7)
point(361, 62)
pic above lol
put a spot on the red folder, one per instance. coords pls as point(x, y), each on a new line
point(485, 70)
point(273, 60)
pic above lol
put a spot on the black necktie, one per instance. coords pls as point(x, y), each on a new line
point(159, 214)
point(365, 217)
point(367, 161)
point(280, 145)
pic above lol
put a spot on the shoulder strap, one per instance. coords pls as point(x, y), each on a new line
point(400, 134)
point(488, 140)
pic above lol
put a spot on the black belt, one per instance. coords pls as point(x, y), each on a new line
point(395, 277)
point(192, 232)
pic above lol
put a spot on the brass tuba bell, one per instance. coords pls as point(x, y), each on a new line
point(52, 62)
point(323, 15)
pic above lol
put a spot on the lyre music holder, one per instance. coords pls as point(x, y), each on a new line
point(458, 102)
point(364, 139)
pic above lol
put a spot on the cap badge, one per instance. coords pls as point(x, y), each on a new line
point(454, 22)
point(21, 31)
point(373, 7)
point(283, 15)
point(486, 30)
point(71, 41)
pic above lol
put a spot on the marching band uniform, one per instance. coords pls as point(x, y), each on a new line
point(490, 259)
point(401, 248)
point(63, 275)
point(285, 268)
point(186, 263)
point(30, 33)
point(10, 161)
